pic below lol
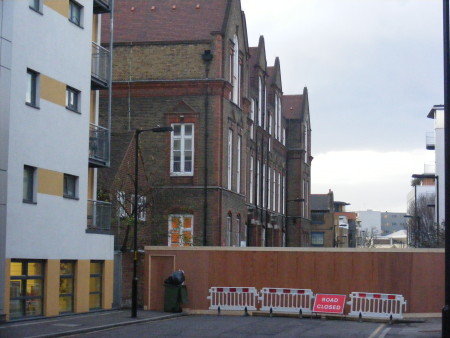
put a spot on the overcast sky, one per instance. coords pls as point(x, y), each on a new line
point(373, 69)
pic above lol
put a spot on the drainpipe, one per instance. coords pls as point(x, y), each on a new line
point(111, 47)
point(207, 57)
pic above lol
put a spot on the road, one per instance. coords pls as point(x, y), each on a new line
point(240, 326)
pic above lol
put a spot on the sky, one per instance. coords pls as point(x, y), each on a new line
point(373, 69)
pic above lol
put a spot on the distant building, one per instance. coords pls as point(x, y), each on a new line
point(392, 222)
point(370, 220)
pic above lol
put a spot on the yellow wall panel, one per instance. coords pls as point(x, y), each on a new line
point(60, 6)
point(7, 283)
point(91, 184)
point(53, 90)
point(82, 274)
point(50, 182)
point(51, 288)
point(93, 101)
point(95, 28)
point(108, 277)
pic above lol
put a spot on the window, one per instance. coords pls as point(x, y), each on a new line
point(269, 189)
point(66, 286)
point(35, 5)
point(142, 207)
point(70, 186)
point(238, 165)
point(230, 158)
point(279, 193)
point(182, 145)
point(252, 117)
point(258, 183)
point(26, 288)
point(274, 191)
point(75, 13)
point(95, 285)
point(237, 232)
point(317, 238)
point(31, 97)
point(260, 98)
point(121, 208)
point(29, 184)
point(317, 217)
point(250, 188)
point(181, 230)
point(72, 99)
point(235, 74)
point(263, 185)
point(228, 230)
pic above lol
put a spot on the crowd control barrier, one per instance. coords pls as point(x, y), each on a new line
point(376, 305)
point(233, 298)
point(298, 301)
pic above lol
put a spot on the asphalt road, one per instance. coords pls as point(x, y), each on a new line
point(240, 326)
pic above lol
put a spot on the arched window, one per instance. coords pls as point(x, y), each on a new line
point(235, 80)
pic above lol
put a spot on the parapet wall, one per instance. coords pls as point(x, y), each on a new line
point(417, 274)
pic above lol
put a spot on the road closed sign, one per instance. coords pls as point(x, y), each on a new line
point(329, 303)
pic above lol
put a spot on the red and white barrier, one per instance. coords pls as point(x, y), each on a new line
point(376, 305)
point(298, 301)
point(233, 298)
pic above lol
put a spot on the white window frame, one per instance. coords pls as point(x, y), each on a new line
point(269, 189)
point(258, 183)
point(182, 138)
point(238, 164)
point(279, 192)
point(274, 190)
point(264, 185)
point(252, 117)
point(260, 98)
point(250, 188)
point(235, 80)
point(182, 218)
point(230, 159)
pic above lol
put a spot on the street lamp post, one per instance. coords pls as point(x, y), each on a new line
point(446, 28)
point(135, 212)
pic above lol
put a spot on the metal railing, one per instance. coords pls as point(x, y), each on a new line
point(100, 65)
point(102, 6)
point(98, 144)
point(99, 215)
point(430, 140)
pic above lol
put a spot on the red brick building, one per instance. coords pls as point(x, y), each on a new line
point(238, 154)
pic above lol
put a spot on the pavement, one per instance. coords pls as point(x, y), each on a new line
point(119, 320)
point(79, 323)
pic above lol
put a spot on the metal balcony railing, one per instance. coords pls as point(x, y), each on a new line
point(99, 216)
point(429, 168)
point(431, 140)
point(98, 146)
point(100, 67)
point(102, 6)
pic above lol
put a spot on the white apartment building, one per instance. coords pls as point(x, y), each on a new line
point(435, 141)
point(56, 251)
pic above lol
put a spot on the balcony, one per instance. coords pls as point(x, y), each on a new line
point(100, 75)
point(102, 6)
point(99, 217)
point(431, 140)
point(98, 146)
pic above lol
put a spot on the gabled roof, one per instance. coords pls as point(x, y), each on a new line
point(291, 106)
point(275, 74)
point(167, 20)
point(320, 202)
